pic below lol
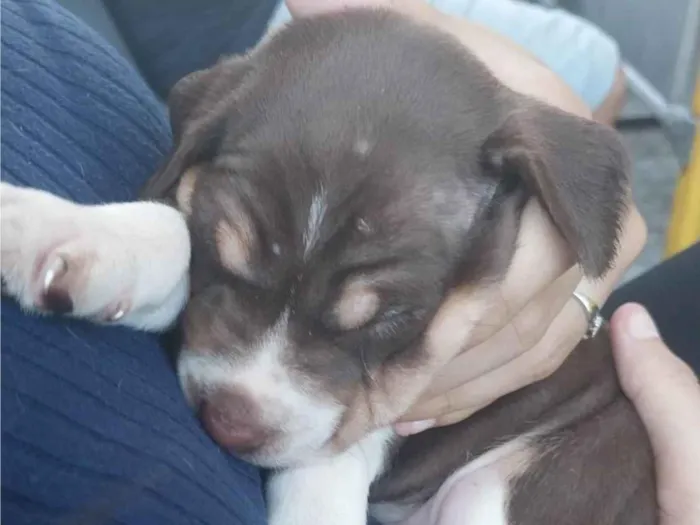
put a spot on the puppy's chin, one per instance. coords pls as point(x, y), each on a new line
point(287, 455)
point(259, 411)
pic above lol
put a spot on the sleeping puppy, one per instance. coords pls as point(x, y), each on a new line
point(340, 190)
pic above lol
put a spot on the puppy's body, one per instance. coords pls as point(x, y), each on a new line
point(343, 186)
point(580, 454)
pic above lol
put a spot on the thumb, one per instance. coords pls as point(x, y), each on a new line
point(660, 385)
point(666, 393)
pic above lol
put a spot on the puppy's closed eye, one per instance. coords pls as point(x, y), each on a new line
point(357, 305)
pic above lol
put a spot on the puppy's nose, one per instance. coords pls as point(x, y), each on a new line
point(233, 421)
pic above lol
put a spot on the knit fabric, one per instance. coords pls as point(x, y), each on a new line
point(95, 429)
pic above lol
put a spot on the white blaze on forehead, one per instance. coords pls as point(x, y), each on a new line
point(362, 146)
point(317, 212)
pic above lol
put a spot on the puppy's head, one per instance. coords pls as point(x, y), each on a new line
point(338, 182)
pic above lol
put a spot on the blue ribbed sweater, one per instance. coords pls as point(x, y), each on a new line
point(94, 427)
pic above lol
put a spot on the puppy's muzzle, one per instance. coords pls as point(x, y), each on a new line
point(233, 421)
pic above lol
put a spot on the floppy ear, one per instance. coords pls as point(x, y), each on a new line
point(186, 99)
point(577, 168)
point(197, 105)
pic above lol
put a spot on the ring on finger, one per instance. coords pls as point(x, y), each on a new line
point(595, 319)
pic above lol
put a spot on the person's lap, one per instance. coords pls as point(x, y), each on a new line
point(94, 426)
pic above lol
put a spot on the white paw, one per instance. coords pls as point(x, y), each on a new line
point(329, 491)
point(121, 263)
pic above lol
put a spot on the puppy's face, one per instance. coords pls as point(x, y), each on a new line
point(306, 278)
point(338, 182)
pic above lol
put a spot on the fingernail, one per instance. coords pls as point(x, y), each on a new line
point(641, 326)
point(413, 427)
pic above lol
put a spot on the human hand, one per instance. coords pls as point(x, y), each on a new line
point(666, 393)
point(532, 322)
point(532, 326)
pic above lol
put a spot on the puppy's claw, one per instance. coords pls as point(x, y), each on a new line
point(57, 267)
point(115, 312)
point(54, 298)
point(117, 315)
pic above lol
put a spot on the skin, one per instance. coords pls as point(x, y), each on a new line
point(610, 108)
point(666, 393)
point(533, 322)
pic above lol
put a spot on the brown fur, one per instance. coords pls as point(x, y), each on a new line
point(426, 162)
point(597, 467)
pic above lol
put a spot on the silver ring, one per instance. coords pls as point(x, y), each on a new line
point(595, 320)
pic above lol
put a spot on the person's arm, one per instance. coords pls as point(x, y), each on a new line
point(666, 393)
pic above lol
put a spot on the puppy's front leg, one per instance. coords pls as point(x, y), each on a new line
point(121, 263)
point(333, 491)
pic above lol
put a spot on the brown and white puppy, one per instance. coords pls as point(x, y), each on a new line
point(341, 187)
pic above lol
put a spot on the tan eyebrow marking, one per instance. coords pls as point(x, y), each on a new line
point(358, 303)
point(234, 244)
point(185, 190)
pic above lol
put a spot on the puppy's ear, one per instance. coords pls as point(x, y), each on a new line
point(577, 168)
point(197, 104)
point(187, 99)
point(194, 97)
